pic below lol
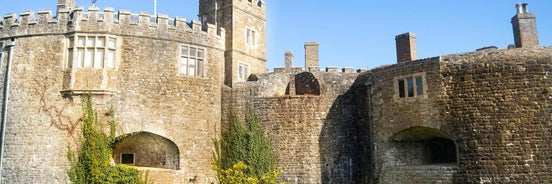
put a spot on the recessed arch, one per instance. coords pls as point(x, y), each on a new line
point(144, 149)
point(306, 84)
point(423, 146)
point(253, 77)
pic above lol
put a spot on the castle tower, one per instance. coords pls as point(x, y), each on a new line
point(525, 27)
point(406, 47)
point(244, 22)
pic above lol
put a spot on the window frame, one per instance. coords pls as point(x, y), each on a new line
point(408, 86)
point(247, 67)
point(199, 58)
point(251, 36)
point(88, 53)
point(133, 158)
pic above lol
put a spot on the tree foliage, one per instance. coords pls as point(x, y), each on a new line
point(245, 153)
point(91, 164)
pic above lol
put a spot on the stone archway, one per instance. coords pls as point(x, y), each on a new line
point(144, 149)
point(306, 84)
point(423, 146)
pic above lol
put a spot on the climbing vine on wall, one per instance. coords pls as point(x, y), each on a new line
point(244, 154)
point(57, 116)
point(91, 164)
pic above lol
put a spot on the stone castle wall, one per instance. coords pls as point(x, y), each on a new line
point(493, 104)
point(144, 88)
point(314, 136)
point(497, 103)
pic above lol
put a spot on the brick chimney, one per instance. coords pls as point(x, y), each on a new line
point(406, 47)
point(288, 60)
point(311, 55)
point(525, 27)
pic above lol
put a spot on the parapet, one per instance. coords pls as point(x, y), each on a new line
point(329, 69)
point(121, 22)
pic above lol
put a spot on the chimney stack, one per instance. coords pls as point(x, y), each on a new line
point(288, 60)
point(525, 27)
point(406, 47)
point(311, 55)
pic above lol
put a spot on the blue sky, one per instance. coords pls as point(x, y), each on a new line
point(359, 33)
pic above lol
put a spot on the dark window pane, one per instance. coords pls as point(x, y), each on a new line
point(410, 84)
point(419, 86)
point(401, 89)
point(127, 158)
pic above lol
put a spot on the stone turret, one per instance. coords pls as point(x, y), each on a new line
point(525, 27)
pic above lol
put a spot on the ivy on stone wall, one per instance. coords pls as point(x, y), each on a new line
point(245, 153)
point(92, 163)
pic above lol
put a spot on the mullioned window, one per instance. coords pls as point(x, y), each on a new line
point(91, 51)
point(192, 61)
point(410, 86)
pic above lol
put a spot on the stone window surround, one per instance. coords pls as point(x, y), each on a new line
point(107, 50)
point(396, 86)
point(199, 60)
point(251, 37)
point(243, 71)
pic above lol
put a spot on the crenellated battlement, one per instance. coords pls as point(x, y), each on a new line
point(121, 22)
point(329, 69)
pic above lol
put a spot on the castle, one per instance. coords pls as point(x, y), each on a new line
point(478, 117)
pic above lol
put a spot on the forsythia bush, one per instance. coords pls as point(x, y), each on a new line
point(237, 175)
point(244, 155)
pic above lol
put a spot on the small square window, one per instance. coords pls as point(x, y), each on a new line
point(411, 86)
point(127, 158)
point(191, 61)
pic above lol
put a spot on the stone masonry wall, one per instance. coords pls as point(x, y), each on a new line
point(391, 114)
point(498, 103)
point(145, 89)
point(314, 137)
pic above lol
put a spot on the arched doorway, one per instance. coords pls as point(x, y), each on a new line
point(423, 146)
point(144, 149)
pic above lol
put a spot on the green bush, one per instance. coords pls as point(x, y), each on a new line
point(91, 164)
point(245, 153)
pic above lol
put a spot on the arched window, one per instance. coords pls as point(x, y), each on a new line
point(423, 146)
point(144, 149)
